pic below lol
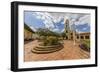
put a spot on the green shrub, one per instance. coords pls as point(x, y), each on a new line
point(85, 44)
point(51, 40)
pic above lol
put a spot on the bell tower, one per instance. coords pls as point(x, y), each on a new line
point(67, 28)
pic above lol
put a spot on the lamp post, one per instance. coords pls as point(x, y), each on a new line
point(74, 29)
point(74, 35)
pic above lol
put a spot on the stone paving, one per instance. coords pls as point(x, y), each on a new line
point(69, 52)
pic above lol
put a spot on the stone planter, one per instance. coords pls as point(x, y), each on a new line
point(47, 49)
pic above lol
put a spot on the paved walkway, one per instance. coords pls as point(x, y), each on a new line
point(69, 52)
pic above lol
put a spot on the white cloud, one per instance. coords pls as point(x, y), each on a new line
point(83, 20)
point(62, 22)
point(78, 31)
point(48, 24)
point(84, 28)
point(39, 17)
point(62, 30)
point(55, 29)
point(49, 18)
point(78, 19)
point(32, 28)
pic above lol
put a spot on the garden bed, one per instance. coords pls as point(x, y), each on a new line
point(85, 45)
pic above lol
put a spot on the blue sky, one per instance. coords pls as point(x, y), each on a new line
point(31, 20)
point(55, 21)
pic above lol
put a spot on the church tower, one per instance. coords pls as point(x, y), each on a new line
point(67, 28)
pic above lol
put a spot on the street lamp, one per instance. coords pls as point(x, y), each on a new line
point(74, 29)
point(74, 35)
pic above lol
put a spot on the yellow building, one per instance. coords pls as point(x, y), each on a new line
point(83, 36)
point(72, 35)
point(28, 33)
point(79, 36)
point(67, 29)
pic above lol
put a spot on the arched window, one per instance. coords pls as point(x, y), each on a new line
point(82, 37)
point(77, 37)
point(87, 37)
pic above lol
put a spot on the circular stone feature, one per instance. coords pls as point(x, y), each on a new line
point(47, 49)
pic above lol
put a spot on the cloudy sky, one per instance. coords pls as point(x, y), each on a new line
point(55, 20)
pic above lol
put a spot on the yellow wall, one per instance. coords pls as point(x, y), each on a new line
point(27, 34)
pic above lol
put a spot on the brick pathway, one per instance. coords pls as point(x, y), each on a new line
point(69, 52)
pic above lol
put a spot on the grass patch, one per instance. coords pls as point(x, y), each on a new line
point(85, 45)
point(86, 42)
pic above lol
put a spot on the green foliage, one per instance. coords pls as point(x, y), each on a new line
point(63, 35)
point(86, 42)
point(26, 27)
point(51, 40)
point(85, 45)
point(46, 32)
point(48, 37)
point(41, 32)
